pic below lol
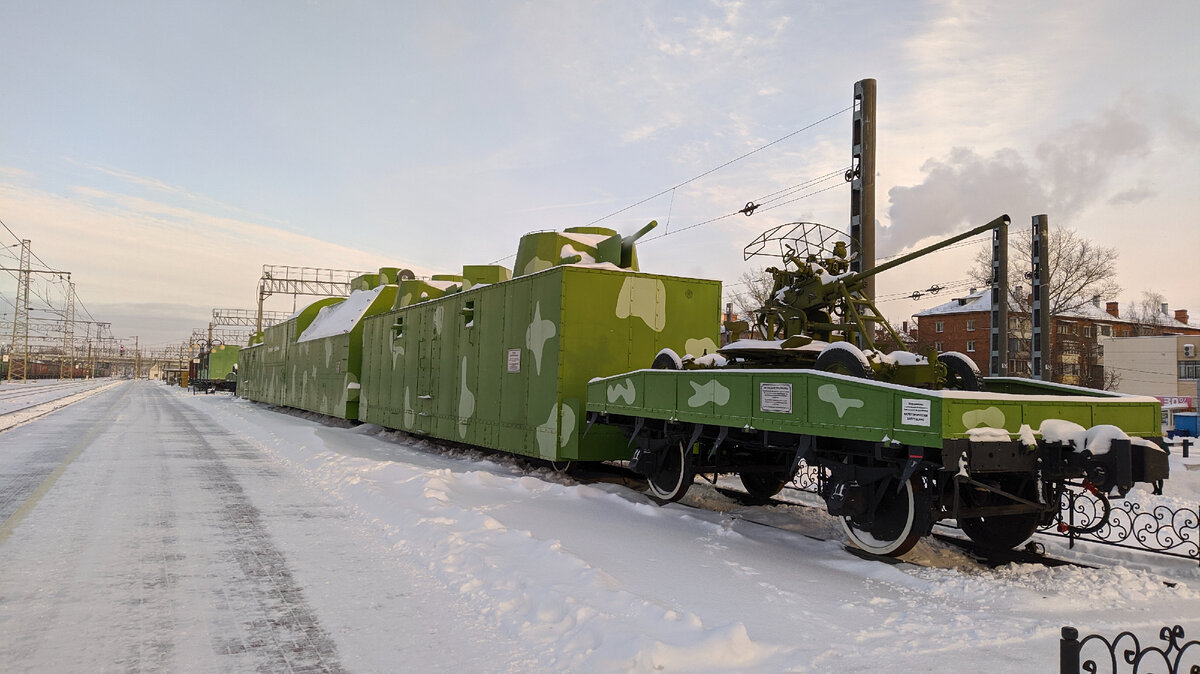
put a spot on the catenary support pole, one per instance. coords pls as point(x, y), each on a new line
point(1043, 323)
point(862, 183)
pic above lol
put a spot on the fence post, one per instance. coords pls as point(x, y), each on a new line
point(1068, 651)
point(1187, 443)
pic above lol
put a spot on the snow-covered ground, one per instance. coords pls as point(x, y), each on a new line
point(21, 401)
point(147, 528)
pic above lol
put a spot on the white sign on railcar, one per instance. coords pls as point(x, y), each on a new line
point(774, 397)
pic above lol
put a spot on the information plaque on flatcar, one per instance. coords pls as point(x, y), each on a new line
point(775, 398)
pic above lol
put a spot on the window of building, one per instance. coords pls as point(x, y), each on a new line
point(1189, 369)
point(939, 326)
point(1087, 331)
point(971, 325)
point(1106, 330)
point(937, 346)
point(971, 346)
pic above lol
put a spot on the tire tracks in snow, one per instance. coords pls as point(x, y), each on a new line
point(286, 634)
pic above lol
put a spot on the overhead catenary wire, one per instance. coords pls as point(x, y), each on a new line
point(723, 165)
point(742, 212)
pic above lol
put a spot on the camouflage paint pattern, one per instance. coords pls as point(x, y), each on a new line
point(320, 375)
point(830, 405)
point(506, 365)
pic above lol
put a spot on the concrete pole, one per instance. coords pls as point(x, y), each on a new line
point(862, 183)
point(1043, 323)
point(999, 315)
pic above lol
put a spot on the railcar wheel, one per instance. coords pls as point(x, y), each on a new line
point(999, 532)
point(762, 486)
point(845, 359)
point(962, 373)
point(667, 359)
point(673, 478)
point(901, 519)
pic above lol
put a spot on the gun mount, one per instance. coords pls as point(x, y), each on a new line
point(816, 301)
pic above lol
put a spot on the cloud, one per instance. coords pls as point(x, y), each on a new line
point(1070, 172)
point(125, 250)
point(1077, 163)
point(1132, 196)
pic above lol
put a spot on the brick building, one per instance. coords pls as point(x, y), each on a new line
point(964, 325)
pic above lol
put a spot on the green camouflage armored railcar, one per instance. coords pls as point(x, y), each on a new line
point(313, 360)
point(504, 364)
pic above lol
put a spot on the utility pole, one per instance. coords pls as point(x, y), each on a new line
point(1043, 323)
point(68, 347)
point(862, 183)
point(18, 358)
point(999, 309)
point(862, 186)
point(137, 359)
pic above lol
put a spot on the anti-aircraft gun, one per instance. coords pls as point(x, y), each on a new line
point(819, 316)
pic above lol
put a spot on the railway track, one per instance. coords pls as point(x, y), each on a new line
point(18, 391)
point(1031, 553)
point(19, 405)
point(610, 473)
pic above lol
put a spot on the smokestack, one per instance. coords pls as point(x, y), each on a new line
point(1164, 307)
point(1181, 315)
point(1112, 308)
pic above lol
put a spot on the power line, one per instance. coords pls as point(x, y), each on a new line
point(752, 210)
point(718, 168)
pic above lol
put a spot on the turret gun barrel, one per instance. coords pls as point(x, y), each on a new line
point(1002, 220)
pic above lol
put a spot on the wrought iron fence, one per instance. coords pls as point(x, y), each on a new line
point(1159, 529)
point(1125, 653)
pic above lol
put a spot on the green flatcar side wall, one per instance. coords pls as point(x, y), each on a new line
point(506, 366)
point(792, 401)
point(825, 404)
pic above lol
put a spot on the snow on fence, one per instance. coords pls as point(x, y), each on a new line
point(1090, 653)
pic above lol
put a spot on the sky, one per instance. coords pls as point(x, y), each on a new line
point(164, 152)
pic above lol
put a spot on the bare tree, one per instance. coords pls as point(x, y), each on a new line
point(754, 288)
point(1079, 269)
point(1147, 313)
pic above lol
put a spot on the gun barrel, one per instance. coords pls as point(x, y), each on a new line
point(1003, 220)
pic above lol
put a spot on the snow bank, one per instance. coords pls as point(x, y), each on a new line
point(595, 578)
